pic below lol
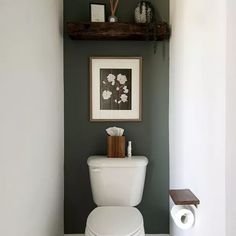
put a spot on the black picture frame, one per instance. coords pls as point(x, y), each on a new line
point(91, 14)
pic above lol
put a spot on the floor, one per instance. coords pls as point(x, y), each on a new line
point(146, 234)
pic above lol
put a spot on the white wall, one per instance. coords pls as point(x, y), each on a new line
point(231, 119)
point(31, 118)
point(197, 109)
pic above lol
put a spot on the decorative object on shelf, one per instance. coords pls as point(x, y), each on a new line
point(113, 6)
point(144, 12)
point(112, 19)
point(97, 12)
point(115, 88)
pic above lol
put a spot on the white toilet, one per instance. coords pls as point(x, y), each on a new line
point(117, 186)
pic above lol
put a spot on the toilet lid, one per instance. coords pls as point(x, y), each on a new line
point(111, 220)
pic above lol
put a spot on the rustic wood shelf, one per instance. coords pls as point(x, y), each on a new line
point(184, 197)
point(116, 31)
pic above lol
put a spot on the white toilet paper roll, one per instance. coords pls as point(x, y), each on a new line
point(183, 216)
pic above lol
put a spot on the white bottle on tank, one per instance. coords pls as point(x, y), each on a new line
point(129, 149)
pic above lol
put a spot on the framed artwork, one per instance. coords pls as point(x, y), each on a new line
point(97, 12)
point(115, 88)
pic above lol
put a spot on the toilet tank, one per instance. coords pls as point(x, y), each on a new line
point(117, 181)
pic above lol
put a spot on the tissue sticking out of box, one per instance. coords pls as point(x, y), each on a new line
point(115, 131)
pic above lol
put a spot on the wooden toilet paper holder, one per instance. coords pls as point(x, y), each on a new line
point(184, 197)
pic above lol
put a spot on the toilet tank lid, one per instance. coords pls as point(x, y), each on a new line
point(104, 161)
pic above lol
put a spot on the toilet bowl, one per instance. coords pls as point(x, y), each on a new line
point(115, 221)
point(117, 187)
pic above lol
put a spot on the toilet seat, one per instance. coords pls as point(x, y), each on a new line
point(115, 221)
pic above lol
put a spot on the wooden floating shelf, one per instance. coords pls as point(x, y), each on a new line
point(184, 197)
point(116, 31)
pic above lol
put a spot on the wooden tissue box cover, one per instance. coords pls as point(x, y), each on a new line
point(116, 146)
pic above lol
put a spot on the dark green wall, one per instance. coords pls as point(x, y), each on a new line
point(83, 138)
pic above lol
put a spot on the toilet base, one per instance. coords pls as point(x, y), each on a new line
point(139, 233)
point(115, 221)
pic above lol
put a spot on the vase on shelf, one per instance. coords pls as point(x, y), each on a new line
point(144, 12)
point(112, 19)
point(114, 6)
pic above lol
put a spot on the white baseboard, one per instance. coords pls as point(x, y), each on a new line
point(146, 234)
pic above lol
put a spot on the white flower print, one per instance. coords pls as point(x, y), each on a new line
point(117, 88)
point(106, 94)
point(117, 101)
point(121, 78)
point(111, 78)
point(124, 98)
point(125, 89)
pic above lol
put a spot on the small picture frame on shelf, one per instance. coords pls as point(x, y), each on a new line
point(97, 12)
